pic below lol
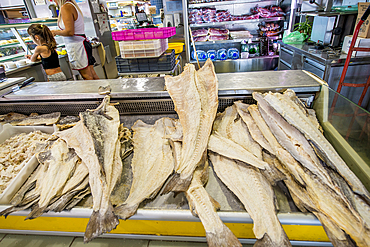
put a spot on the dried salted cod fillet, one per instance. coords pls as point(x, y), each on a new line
point(47, 119)
point(203, 206)
point(151, 165)
point(232, 139)
point(232, 150)
point(195, 94)
point(95, 140)
point(252, 126)
point(288, 109)
point(304, 202)
point(331, 203)
point(294, 142)
point(60, 162)
point(257, 196)
point(284, 156)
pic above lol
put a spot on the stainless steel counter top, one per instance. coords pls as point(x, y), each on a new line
point(229, 84)
point(323, 56)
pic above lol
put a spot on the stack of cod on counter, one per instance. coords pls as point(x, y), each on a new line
point(250, 148)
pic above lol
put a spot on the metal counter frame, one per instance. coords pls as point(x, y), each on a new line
point(146, 96)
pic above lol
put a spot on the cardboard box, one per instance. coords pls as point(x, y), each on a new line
point(360, 42)
point(365, 28)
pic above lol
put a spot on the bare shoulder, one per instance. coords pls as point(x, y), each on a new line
point(41, 48)
point(67, 7)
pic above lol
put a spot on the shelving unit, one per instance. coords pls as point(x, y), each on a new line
point(211, 4)
point(236, 8)
point(223, 23)
point(14, 28)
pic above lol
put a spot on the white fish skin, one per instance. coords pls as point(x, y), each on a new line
point(253, 128)
point(201, 204)
point(230, 149)
point(151, 165)
point(60, 163)
point(298, 119)
point(257, 196)
point(283, 155)
point(195, 94)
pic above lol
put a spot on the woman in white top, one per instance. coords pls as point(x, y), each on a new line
point(79, 50)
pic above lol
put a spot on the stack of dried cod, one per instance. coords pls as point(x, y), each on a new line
point(250, 147)
point(180, 147)
point(78, 161)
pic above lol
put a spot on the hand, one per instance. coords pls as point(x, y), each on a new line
point(54, 32)
point(28, 56)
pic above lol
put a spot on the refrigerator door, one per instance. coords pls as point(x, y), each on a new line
point(97, 25)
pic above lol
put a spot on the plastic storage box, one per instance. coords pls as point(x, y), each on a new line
point(144, 33)
point(165, 62)
point(143, 48)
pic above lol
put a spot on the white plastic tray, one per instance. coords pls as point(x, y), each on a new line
point(7, 132)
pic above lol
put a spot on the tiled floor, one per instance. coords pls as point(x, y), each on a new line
point(14, 240)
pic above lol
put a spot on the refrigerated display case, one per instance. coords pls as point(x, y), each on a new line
point(168, 217)
point(240, 18)
point(15, 43)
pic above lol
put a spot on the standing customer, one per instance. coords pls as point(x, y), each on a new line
point(79, 50)
point(44, 39)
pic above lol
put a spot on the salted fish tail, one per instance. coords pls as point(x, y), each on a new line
point(204, 206)
point(125, 210)
point(266, 241)
point(100, 223)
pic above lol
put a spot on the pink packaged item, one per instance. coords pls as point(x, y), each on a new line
point(218, 37)
point(218, 31)
point(200, 39)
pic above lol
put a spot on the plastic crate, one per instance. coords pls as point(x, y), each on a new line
point(136, 49)
point(165, 62)
point(144, 33)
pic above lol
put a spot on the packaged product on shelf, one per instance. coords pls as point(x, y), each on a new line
point(222, 54)
point(268, 11)
point(269, 29)
point(212, 54)
point(200, 39)
point(218, 31)
point(199, 32)
point(244, 52)
point(240, 35)
point(202, 55)
point(268, 26)
point(264, 46)
point(218, 37)
point(253, 50)
point(233, 53)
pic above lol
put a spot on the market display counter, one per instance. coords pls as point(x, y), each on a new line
point(36, 71)
point(166, 217)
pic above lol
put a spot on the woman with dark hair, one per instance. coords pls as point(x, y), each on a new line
point(79, 50)
point(44, 39)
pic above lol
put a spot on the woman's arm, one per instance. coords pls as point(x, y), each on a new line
point(69, 15)
point(36, 53)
